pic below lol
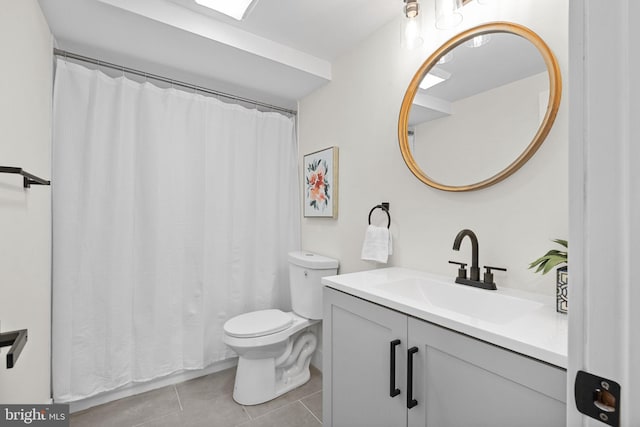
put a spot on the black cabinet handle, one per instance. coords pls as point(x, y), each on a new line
point(393, 391)
point(411, 402)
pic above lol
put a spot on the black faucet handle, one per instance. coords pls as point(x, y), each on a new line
point(462, 272)
point(463, 264)
point(488, 275)
point(489, 268)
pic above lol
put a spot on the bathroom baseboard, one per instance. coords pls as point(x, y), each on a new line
point(133, 389)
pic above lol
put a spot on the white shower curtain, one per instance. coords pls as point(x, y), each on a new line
point(172, 212)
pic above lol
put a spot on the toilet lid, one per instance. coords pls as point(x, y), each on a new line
point(258, 323)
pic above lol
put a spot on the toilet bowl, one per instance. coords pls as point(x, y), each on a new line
point(275, 347)
point(269, 364)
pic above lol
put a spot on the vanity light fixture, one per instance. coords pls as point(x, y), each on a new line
point(448, 14)
point(411, 28)
point(434, 77)
point(237, 9)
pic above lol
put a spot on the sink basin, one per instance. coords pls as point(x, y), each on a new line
point(481, 304)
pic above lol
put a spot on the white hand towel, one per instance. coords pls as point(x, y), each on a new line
point(377, 244)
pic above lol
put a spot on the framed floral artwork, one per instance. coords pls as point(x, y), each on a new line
point(321, 183)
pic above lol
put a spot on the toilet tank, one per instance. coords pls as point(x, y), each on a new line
point(305, 271)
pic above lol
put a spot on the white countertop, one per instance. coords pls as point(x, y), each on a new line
point(523, 322)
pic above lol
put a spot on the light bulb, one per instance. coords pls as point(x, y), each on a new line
point(448, 13)
point(411, 28)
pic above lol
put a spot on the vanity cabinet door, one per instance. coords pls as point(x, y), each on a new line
point(461, 381)
point(358, 338)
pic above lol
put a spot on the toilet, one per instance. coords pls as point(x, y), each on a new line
point(275, 347)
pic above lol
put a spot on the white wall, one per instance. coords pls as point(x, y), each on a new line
point(25, 214)
point(358, 111)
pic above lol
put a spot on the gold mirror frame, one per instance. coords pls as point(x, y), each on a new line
point(555, 93)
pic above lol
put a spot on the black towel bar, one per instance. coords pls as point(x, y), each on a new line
point(17, 340)
point(27, 178)
point(385, 207)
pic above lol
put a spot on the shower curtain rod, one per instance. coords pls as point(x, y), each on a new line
point(71, 55)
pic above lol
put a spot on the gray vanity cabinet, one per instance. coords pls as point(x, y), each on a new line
point(357, 338)
point(462, 381)
point(456, 380)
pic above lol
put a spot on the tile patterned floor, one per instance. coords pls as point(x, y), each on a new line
point(207, 401)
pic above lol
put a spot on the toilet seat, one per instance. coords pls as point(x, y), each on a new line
point(258, 323)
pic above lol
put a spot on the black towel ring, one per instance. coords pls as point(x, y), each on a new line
point(385, 208)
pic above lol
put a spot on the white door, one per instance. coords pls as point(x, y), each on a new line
point(604, 183)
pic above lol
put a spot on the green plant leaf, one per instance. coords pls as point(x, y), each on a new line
point(551, 259)
point(561, 242)
point(540, 260)
point(552, 262)
point(554, 252)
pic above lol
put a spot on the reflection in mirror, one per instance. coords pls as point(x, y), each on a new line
point(480, 108)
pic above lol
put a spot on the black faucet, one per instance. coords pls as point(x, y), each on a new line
point(474, 270)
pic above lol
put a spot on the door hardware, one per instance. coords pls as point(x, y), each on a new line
point(598, 398)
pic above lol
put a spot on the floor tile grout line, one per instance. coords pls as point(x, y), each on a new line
point(251, 418)
point(178, 396)
point(312, 394)
point(146, 423)
point(273, 410)
point(244, 408)
point(310, 411)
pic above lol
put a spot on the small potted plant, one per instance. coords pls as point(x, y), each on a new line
point(550, 260)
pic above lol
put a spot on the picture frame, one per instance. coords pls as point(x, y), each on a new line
point(320, 193)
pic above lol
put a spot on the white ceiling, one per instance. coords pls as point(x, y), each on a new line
point(280, 53)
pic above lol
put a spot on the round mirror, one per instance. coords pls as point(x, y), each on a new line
point(479, 107)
